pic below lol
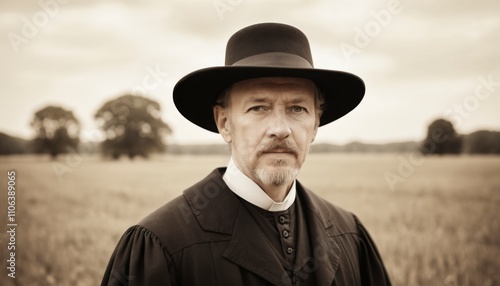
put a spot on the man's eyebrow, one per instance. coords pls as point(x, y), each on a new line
point(257, 99)
point(264, 99)
point(298, 100)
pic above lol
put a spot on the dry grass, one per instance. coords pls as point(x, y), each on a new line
point(440, 227)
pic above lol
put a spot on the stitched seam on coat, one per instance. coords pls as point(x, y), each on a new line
point(345, 233)
point(196, 243)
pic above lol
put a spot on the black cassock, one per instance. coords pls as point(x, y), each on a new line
point(209, 236)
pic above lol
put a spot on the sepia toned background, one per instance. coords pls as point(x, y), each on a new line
point(434, 218)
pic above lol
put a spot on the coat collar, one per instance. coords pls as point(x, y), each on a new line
point(217, 209)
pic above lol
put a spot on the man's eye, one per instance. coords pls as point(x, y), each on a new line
point(298, 109)
point(257, 108)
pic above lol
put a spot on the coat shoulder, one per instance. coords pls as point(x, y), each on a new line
point(178, 224)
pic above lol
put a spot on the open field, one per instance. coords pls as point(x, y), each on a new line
point(439, 226)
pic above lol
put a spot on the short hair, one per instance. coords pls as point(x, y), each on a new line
point(223, 99)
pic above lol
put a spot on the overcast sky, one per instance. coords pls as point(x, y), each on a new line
point(420, 60)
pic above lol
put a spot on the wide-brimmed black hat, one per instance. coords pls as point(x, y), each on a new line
point(265, 50)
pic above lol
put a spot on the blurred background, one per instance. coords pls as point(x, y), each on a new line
point(88, 123)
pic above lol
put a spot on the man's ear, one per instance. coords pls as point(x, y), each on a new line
point(221, 119)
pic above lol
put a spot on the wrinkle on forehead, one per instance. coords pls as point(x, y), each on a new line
point(260, 89)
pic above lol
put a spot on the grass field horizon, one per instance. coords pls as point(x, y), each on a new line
point(439, 225)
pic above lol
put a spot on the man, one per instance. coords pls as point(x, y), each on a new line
point(253, 223)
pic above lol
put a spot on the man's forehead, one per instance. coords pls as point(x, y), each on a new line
point(299, 86)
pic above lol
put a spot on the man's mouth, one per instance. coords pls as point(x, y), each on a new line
point(279, 152)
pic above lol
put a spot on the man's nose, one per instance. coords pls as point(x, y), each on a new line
point(278, 125)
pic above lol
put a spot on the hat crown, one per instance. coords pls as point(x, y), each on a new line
point(267, 38)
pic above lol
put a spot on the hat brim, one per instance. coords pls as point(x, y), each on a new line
point(195, 94)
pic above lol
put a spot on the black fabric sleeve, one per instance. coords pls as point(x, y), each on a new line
point(139, 259)
point(372, 268)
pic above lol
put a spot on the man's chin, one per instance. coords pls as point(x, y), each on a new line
point(276, 175)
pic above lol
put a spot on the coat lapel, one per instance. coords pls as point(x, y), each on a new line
point(325, 258)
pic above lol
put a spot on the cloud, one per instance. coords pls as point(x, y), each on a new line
point(93, 50)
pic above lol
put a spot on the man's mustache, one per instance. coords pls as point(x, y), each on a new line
point(278, 146)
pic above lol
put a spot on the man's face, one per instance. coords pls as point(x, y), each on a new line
point(270, 124)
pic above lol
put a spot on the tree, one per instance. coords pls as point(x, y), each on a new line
point(13, 145)
point(132, 126)
point(482, 142)
point(57, 131)
point(441, 139)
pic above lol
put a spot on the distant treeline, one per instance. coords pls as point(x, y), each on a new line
point(479, 142)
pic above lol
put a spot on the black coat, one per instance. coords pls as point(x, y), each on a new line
point(206, 237)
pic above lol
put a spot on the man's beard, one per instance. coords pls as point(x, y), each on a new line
point(278, 174)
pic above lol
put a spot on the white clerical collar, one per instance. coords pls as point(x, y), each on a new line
point(248, 190)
